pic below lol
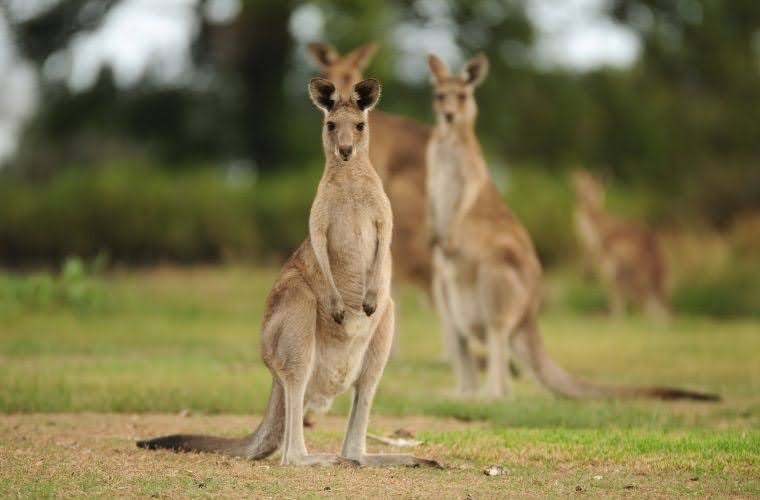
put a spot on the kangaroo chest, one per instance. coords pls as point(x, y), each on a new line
point(445, 183)
point(588, 230)
point(447, 187)
point(352, 241)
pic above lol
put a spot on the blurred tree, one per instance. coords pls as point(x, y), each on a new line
point(232, 108)
point(51, 28)
point(682, 120)
point(248, 60)
point(700, 71)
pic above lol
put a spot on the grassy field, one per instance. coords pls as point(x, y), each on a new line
point(89, 366)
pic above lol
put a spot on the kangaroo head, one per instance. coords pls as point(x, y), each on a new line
point(454, 101)
point(588, 189)
point(345, 132)
point(345, 71)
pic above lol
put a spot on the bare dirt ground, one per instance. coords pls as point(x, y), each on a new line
point(95, 454)
point(74, 455)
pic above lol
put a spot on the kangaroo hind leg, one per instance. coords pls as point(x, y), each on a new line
point(456, 346)
point(505, 300)
point(289, 348)
point(354, 446)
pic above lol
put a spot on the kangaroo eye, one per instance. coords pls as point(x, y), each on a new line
point(360, 126)
point(462, 97)
point(440, 97)
point(331, 126)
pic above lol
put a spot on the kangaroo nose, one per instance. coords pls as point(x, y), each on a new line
point(345, 152)
point(449, 117)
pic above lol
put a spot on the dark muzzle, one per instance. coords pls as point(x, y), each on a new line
point(345, 152)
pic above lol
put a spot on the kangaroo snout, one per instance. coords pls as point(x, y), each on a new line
point(449, 117)
point(345, 152)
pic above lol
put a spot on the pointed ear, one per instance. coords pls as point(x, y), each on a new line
point(366, 94)
point(323, 54)
point(438, 68)
point(322, 93)
point(361, 56)
point(475, 70)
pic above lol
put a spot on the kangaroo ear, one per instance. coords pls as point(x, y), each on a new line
point(323, 54)
point(366, 94)
point(322, 93)
point(475, 70)
point(361, 56)
point(438, 68)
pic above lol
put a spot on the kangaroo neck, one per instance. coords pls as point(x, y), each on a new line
point(357, 166)
point(459, 154)
point(593, 222)
point(456, 173)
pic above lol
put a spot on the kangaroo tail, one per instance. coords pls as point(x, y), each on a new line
point(260, 444)
point(529, 349)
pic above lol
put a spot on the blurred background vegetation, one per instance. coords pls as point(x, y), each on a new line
point(201, 145)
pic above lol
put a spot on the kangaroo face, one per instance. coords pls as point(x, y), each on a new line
point(587, 189)
point(454, 100)
point(343, 71)
point(345, 133)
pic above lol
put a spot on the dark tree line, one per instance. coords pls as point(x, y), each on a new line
point(683, 119)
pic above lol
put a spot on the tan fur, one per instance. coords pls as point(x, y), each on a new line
point(486, 275)
point(397, 152)
point(328, 324)
point(626, 256)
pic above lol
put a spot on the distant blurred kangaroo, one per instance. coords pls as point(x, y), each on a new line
point(486, 275)
point(397, 152)
point(627, 256)
point(328, 323)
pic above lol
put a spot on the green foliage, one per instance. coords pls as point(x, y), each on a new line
point(714, 275)
point(141, 214)
point(736, 292)
point(727, 294)
point(144, 354)
point(543, 201)
point(680, 122)
point(74, 288)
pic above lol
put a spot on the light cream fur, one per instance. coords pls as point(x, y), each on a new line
point(328, 324)
point(397, 152)
point(485, 271)
point(626, 256)
point(486, 274)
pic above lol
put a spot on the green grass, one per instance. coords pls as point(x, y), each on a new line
point(166, 340)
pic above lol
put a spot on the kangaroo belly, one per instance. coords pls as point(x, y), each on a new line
point(339, 363)
point(352, 248)
point(462, 301)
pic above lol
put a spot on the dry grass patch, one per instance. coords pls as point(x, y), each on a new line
point(94, 455)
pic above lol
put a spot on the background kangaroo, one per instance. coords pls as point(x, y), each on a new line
point(397, 152)
point(626, 256)
point(486, 275)
point(328, 323)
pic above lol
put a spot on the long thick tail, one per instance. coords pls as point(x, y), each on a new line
point(528, 347)
point(261, 443)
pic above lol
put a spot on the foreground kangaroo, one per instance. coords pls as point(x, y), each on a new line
point(328, 323)
point(397, 152)
point(626, 256)
point(486, 275)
